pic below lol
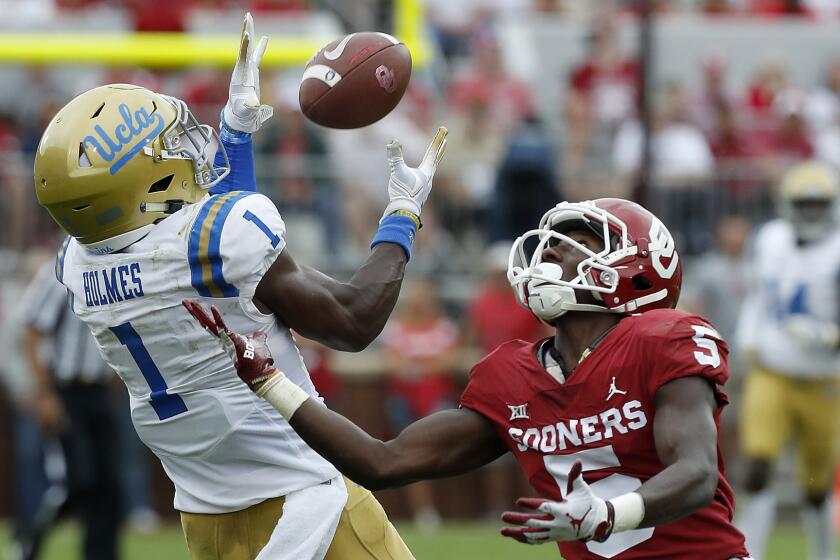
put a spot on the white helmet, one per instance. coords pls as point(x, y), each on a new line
point(636, 269)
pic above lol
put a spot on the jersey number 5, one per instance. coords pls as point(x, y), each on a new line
point(165, 405)
point(704, 337)
point(606, 488)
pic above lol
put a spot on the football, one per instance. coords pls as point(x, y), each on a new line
point(355, 81)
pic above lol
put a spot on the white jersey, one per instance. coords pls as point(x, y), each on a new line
point(224, 448)
point(791, 279)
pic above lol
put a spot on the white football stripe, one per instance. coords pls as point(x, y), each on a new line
point(339, 49)
point(393, 40)
point(323, 73)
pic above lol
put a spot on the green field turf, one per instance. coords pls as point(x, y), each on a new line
point(455, 541)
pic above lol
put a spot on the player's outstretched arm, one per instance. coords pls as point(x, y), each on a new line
point(443, 444)
point(243, 114)
point(349, 316)
point(685, 436)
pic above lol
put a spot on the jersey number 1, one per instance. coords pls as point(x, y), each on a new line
point(165, 405)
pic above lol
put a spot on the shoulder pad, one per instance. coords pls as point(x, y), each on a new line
point(234, 239)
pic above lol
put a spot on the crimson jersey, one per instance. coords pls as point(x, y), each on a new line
point(603, 415)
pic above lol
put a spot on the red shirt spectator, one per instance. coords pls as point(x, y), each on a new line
point(206, 91)
point(716, 7)
point(494, 316)
point(607, 79)
point(609, 85)
point(499, 318)
point(421, 346)
point(733, 147)
point(789, 139)
point(316, 358)
point(759, 97)
point(769, 79)
point(8, 135)
point(279, 5)
point(776, 7)
point(603, 93)
point(159, 15)
point(727, 140)
point(69, 5)
point(704, 102)
point(508, 98)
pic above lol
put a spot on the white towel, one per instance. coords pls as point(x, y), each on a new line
point(307, 526)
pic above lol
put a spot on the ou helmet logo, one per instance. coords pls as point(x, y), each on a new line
point(662, 246)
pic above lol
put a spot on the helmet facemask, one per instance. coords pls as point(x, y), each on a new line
point(540, 286)
point(809, 194)
point(812, 217)
point(186, 138)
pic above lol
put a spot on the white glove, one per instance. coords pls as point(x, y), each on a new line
point(812, 333)
point(409, 187)
point(581, 515)
point(243, 111)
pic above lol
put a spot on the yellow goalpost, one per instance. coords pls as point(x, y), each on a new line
point(175, 50)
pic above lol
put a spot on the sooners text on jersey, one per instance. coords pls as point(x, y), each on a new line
point(604, 415)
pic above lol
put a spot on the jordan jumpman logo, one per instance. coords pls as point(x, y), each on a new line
point(576, 523)
point(614, 390)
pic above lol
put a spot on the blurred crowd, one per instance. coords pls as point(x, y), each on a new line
point(716, 153)
point(715, 148)
point(453, 20)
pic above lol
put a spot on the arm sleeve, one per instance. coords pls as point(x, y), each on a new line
point(239, 147)
point(234, 240)
point(693, 348)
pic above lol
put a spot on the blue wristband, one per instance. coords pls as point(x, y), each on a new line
point(396, 229)
point(232, 135)
point(239, 147)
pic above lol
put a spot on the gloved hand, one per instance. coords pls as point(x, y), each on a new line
point(409, 187)
point(581, 515)
point(250, 354)
point(812, 333)
point(243, 111)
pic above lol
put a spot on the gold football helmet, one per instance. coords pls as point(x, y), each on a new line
point(809, 194)
point(119, 158)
